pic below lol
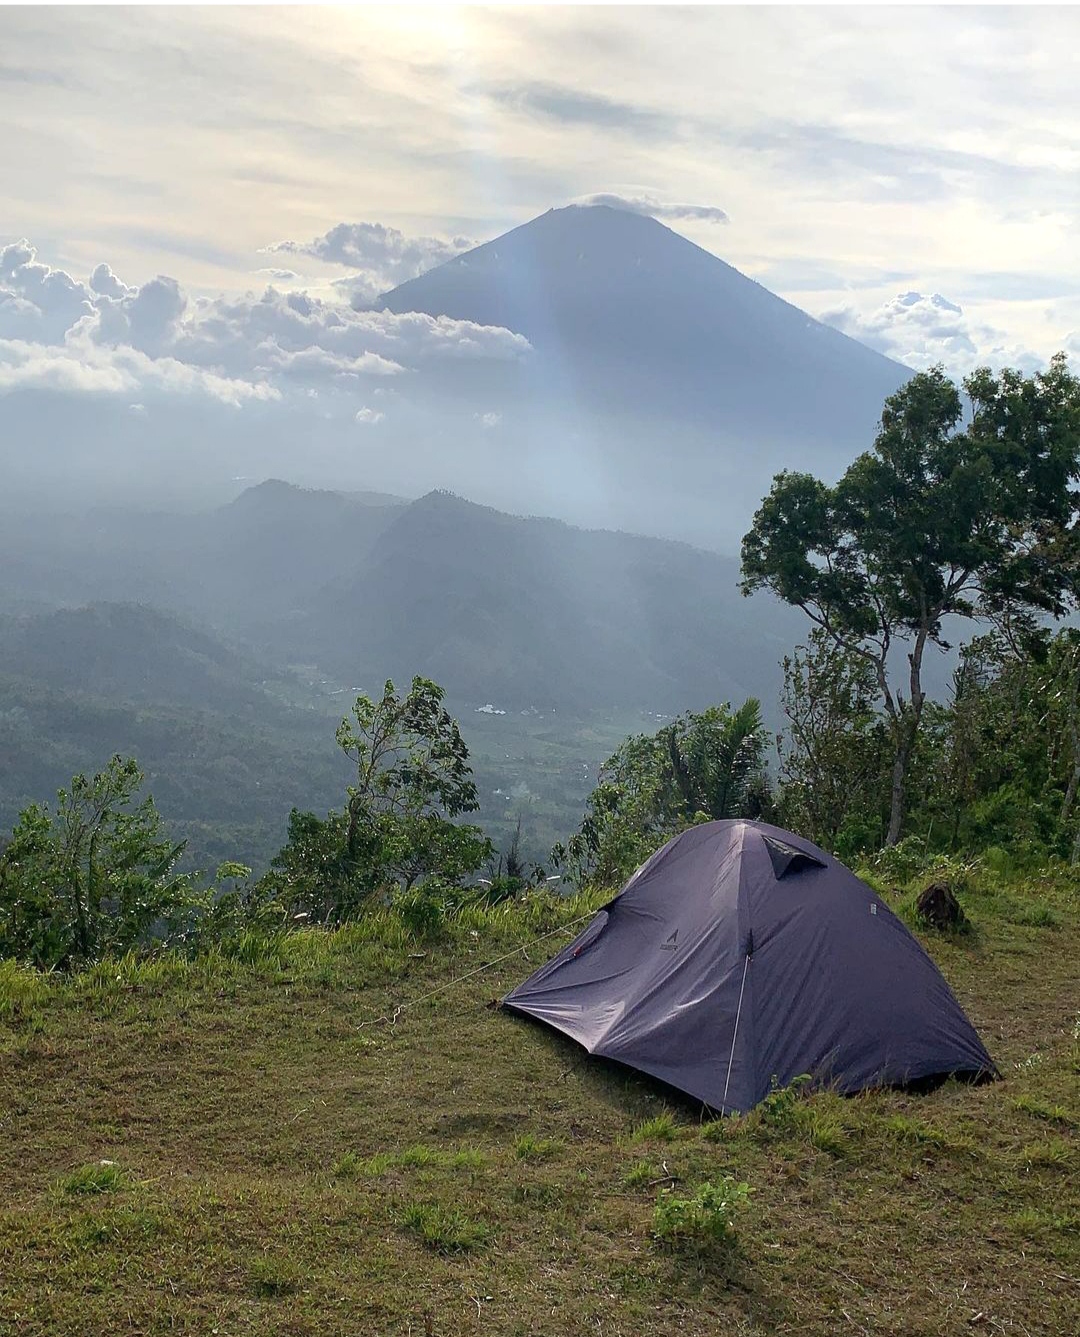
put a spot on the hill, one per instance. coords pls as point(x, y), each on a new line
point(263, 1142)
point(534, 613)
point(522, 612)
point(133, 653)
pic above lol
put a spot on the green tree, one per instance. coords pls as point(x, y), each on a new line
point(937, 520)
point(832, 752)
point(398, 827)
point(700, 767)
point(1004, 755)
point(96, 876)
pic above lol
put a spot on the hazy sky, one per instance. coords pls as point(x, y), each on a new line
point(911, 175)
point(858, 152)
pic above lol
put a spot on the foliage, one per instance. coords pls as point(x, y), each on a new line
point(834, 750)
point(706, 1217)
point(999, 764)
point(701, 767)
point(779, 1106)
point(96, 876)
point(412, 779)
point(935, 520)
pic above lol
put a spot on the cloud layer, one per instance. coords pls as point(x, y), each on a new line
point(104, 336)
point(651, 207)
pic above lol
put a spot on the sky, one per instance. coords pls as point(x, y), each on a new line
point(194, 201)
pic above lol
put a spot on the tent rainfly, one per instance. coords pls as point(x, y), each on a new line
point(741, 956)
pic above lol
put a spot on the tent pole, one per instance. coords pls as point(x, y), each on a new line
point(734, 1036)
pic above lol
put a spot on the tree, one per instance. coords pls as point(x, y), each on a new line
point(831, 754)
point(397, 827)
point(1007, 747)
point(935, 521)
point(97, 876)
point(701, 767)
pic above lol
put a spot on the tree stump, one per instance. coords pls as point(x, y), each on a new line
point(938, 907)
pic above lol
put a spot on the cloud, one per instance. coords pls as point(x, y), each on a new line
point(651, 207)
point(581, 107)
point(82, 367)
point(923, 329)
point(105, 282)
point(37, 301)
point(382, 257)
point(279, 275)
point(369, 416)
point(488, 420)
point(106, 337)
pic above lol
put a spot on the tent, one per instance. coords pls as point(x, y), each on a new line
point(740, 956)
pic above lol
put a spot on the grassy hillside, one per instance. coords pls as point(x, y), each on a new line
point(261, 1143)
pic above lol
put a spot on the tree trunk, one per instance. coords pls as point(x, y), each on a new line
point(896, 804)
point(907, 730)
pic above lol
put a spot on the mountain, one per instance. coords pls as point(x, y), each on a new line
point(664, 388)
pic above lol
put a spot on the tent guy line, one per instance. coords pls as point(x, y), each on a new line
point(479, 970)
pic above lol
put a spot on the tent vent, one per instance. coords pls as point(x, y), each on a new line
point(787, 859)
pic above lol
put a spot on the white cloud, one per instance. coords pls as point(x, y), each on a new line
point(369, 416)
point(37, 301)
point(652, 207)
point(107, 337)
point(105, 282)
point(381, 257)
point(923, 329)
point(488, 420)
point(82, 367)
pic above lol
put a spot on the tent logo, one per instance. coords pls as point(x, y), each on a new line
point(672, 943)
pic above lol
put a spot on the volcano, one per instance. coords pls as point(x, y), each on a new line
point(664, 384)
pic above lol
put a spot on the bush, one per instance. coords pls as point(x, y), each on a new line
point(97, 877)
point(706, 1217)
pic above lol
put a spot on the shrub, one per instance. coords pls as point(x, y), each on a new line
point(706, 1217)
point(95, 877)
point(778, 1109)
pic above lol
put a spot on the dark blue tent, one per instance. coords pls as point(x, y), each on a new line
point(740, 954)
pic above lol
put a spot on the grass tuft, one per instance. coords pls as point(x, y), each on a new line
point(101, 1177)
point(640, 1175)
point(446, 1230)
point(529, 1148)
point(1054, 1154)
point(1040, 1109)
point(662, 1128)
point(273, 1278)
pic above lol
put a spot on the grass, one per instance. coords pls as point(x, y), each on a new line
point(446, 1230)
point(660, 1128)
point(293, 1156)
point(104, 1177)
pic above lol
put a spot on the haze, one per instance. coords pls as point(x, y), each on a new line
point(195, 202)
